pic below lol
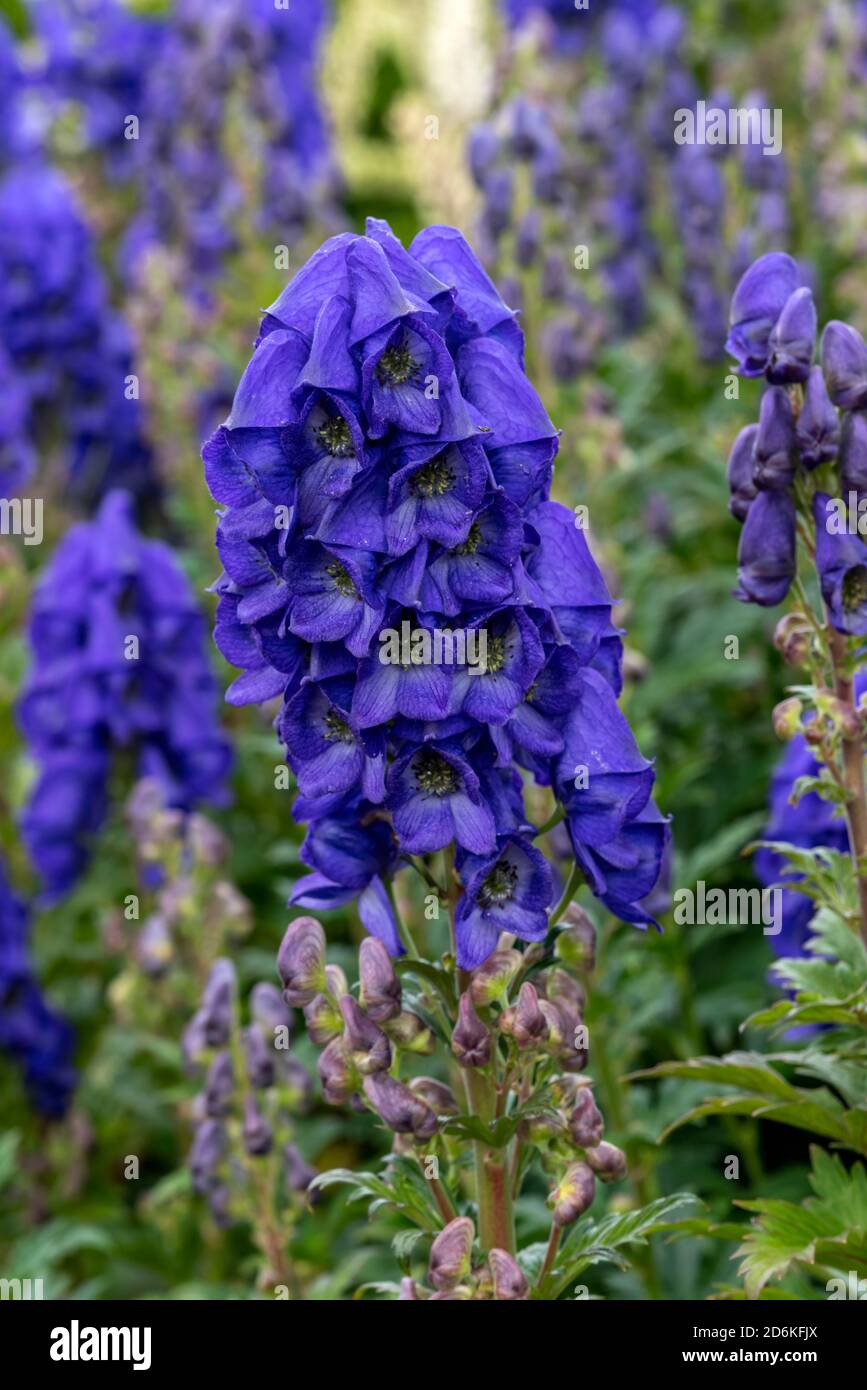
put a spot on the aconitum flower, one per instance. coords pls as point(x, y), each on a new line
point(118, 664)
point(31, 1033)
point(395, 572)
point(841, 560)
point(69, 353)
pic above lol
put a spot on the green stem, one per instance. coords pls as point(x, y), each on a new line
point(550, 1255)
point(853, 771)
point(402, 927)
point(576, 878)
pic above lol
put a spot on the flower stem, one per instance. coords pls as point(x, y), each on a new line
point(550, 1255)
point(853, 772)
point(576, 878)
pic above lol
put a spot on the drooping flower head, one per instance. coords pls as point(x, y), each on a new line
point(395, 572)
point(119, 662)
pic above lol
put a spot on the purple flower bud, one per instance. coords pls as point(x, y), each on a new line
point(366, 1042)
point(194, 1043)
point(298, 1172)
point(775, 457)
point(792, 638)
point(817, 428)
point(398, 1107)
point(380, 990)
point(557, 1024)
point(408, 1292)
point(219, 1087)
point(217, 1003)
point(409, 1033)
point(586, 1124)
point(336, 1073)
point(853, 454)
point(759, 298)
point(767, 550)
point(209, 1146)
point(323, 1018)
point(576, 943)
point(739, 472)
point(573, 1194)
point(508, 1279)
point(301, 960)
point(259, 1058)
point(153, 948)
point(434, 1093)
point(269, 1009)
point(256, 1131)
point(607, 1161)
point(471, 1041)
point(527, 1022)
point(491, 981)
point(844, 359)
point(841, 560)
point(793, 339)
point(451, 1255)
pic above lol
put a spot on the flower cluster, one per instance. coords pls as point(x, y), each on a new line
point(252, 1088)
point(119, 662)
point(68, 356)
point(811, 427)
point(395, 572)
point(39, 1040)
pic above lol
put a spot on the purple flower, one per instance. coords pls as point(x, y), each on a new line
point(841, 560)
point(793, 339)
point(435, 798)
point(775, 460)
point(510, 890)
point(739, 472)
point(759, 299)
point(844, 362)
point(817, 429)
point(118, 664)
point(767, 551)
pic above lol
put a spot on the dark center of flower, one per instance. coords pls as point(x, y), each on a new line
point(396, 366)
point(336, 729)
point(434, 480)
point(335, 438)
point(434, 775)
point(342, 579)
point(499, 886)
point(472, 542)
point(855, 588)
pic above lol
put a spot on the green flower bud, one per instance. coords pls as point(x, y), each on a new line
point(410, 1034)
point(492, 980)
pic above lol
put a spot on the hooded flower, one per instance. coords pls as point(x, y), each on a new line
point(841, 560)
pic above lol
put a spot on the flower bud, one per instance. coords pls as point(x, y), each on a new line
point(786, 719)
point(194, 1043)
point(367, 1044)
point(209, 1146)
point(436, 1094)
point(336, 1073)
point(739, 472)
point(573, 1194)
point(298, 1172)
point(471, 1041)
point(563, 989)
point(492, 980)
point(557, 1026)
point(336, 981)
point(154, 947)
point(301, 960)
point(256, 1131)
point(259, 1057)
point(408, 1291)
point(792, 638)
point(323, 1018)
point(844, 361)
point(208, 844)
point(217, 1001)
point(398, 1107)
point(451, 1255)
point(576, 942)
point(508, 1279)
point(219, 1087)
point(527, 1024)
point(775, 455)
point(541, 1130)
point(607, 1161)
point(409, 1033)
point(380, 990)
point(586, 1124)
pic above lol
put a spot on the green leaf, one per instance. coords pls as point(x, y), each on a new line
point(591, 1242)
